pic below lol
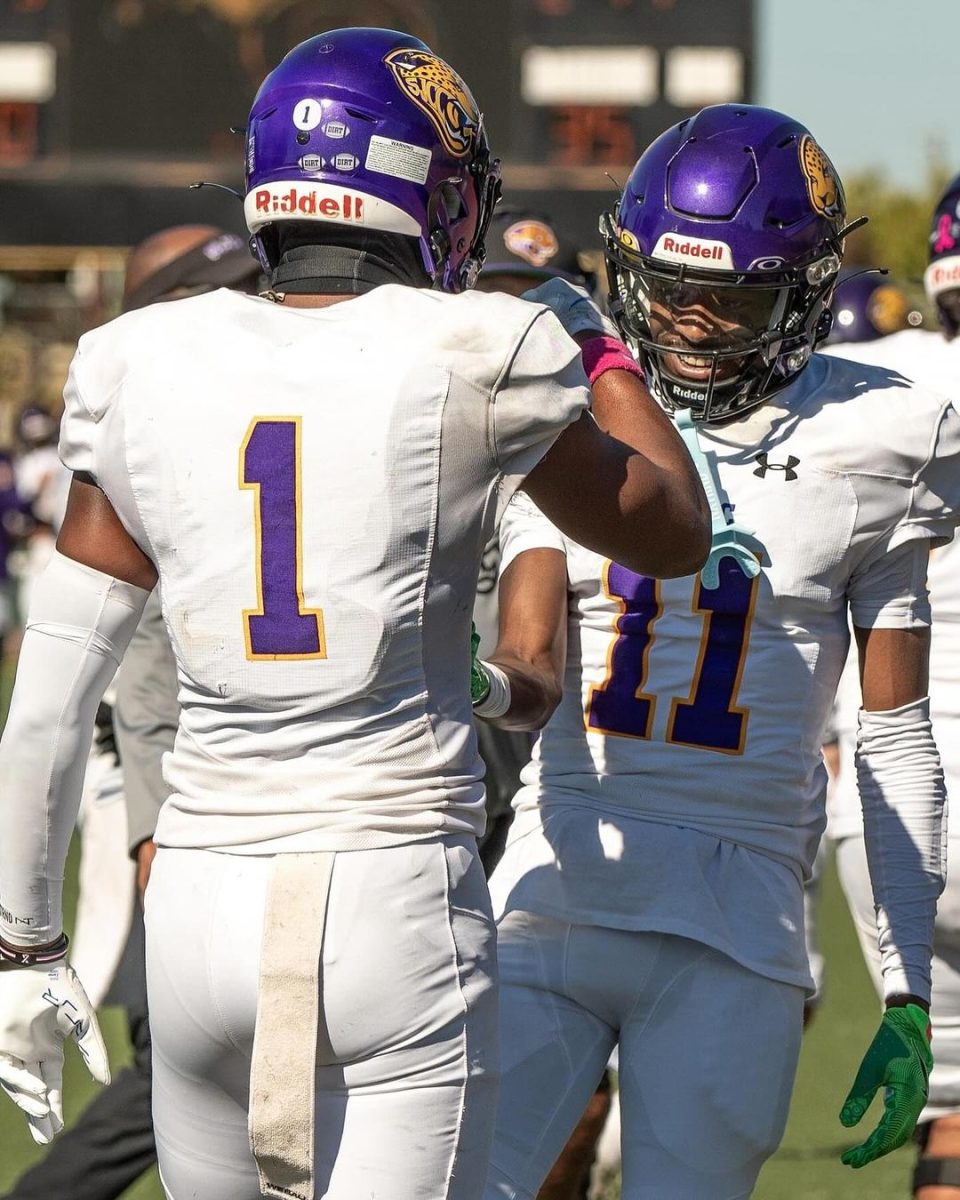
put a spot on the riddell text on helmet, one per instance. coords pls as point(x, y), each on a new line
point(310, 204)
point(702, 250)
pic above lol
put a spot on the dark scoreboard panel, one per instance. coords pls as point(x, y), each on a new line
point(570, 82)
point(597, 80)
point(109, 107)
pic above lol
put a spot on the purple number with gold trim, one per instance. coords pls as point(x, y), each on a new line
point(709, 718)
point(620, 705)
point(280, 627)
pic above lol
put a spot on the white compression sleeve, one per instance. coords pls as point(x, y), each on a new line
point(79, 625)
point(904, 817)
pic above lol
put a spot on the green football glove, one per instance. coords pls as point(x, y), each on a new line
point(479, 679)
point(899, 1060)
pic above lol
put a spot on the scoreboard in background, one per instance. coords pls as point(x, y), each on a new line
point(31, 35)
point(597, 80)
point(109, 107)
point(569, 82)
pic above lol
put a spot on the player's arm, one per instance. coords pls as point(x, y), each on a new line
point(525, 671)
point(903, 798)
point(619, 480)
point(85, 608)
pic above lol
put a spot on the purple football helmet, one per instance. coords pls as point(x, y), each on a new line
point(369, 128)
point(942, 276)
point(731, 229)
point(867, 306)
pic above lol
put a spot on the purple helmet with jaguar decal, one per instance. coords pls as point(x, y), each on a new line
point(942, 276)
point(369, 128)
point(723, 252)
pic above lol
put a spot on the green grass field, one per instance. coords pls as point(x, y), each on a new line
point(807, 1166)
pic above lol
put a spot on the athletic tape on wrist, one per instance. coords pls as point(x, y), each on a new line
point(497, 700)
point(602, 354)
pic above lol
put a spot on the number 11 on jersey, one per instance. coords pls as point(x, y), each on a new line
point(709, 718)
point(280, 627)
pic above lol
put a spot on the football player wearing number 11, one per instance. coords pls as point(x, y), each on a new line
point(651, 892)
point(314, 474)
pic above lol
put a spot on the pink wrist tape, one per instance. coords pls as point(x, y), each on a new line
point(603, 354)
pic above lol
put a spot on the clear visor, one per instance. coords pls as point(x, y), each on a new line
point(738, 314)
point(704, 333)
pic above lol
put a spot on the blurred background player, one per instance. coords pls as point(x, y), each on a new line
point(933, 360)
point(14, 524)
point(112, 1144)
point(867, 305)
point(651, 890)
point(325, 787)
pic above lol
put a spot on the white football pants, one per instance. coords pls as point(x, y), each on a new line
point(854, 875)
point(708, 1052)
point(407, 1069)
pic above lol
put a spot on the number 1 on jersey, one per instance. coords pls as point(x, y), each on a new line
point(280, 627)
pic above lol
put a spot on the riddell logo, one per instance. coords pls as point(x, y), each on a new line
point(941, 277)
point(690, 249)
point(311, 203)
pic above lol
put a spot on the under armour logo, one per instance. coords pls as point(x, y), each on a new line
point(789, 474)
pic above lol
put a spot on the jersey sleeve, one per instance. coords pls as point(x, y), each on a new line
point(934, 510)
point(541, 391)
point(92, 437)
point(78, 427)
point(919, 481)
point(889, 591)
point(524, 527)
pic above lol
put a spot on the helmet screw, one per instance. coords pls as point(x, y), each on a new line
point(303, 137)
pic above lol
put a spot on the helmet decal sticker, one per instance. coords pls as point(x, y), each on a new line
point(307, 114)
point(945, 238)
point(439, 93)
point(533, 241)
point(823, 186)
point(629, 240)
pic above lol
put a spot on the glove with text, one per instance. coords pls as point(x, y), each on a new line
point(40, 1008)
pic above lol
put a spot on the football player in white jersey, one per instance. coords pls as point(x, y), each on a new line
point(651, 891)
point(314, 474)
point(933, 361)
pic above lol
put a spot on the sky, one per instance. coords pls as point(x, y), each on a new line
point(875, 81)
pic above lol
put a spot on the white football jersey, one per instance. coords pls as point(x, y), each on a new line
point(933, 362)
point(705, 708)
point(315, 487)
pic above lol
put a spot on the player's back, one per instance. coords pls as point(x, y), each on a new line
point(315, 486)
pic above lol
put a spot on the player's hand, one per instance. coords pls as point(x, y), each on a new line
point(479, 680)
point(40, 1007)
point(573, 308)
point(898, 1060)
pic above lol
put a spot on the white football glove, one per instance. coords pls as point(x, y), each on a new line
point(573, 308)
point(40, 1007)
